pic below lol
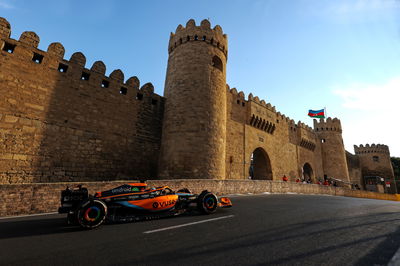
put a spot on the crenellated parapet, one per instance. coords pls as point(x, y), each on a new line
point(203, 33)
point(74, 69)
point(329, 124)
point(373, 148)
point(265, 117)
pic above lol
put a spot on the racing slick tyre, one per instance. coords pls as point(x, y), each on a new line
point(92, 213)
point(207, 202)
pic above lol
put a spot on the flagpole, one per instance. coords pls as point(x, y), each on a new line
point(326, 115)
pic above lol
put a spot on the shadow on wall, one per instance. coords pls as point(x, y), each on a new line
point(65, 122)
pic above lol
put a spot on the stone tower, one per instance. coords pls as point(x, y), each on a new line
point(334, 161)
point(194, 129)
point(375, 161)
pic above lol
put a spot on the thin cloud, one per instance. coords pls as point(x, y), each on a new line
point(5, 5)
point(345, 11)
point(369, 113)
point(371, 97)
point(363, 6)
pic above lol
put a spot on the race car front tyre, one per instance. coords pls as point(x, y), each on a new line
point(92, 213)
point(207, 202)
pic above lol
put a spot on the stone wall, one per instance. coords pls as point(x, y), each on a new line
point(60, 121)
point(375, 161)
point(18, 199)
point(194, 129)
point(355, 175)
point(253, 124)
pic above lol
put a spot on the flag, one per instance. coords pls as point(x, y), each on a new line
point(317, 113)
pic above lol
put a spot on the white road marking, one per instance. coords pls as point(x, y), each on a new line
point(188, 224)
point(29, 215)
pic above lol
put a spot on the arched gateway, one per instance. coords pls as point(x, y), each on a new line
point(308, 172)
point(260, 165)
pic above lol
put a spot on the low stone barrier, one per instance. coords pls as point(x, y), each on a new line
point(18, 199)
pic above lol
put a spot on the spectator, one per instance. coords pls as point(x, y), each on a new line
point(298, 180)
point(326, 183)
point(284, 178)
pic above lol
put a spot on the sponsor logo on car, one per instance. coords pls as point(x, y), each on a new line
point(163, 204)
point(121, 189)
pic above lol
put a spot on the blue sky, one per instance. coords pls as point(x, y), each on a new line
point(296, 54)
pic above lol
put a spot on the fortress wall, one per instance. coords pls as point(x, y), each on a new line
point(194, 129)
point(253, 124)
point(329, 132)
point(375, 161)
point(313, 158)
point(236, 168)
point(380, 165)
point(58, 123)
point(353, 164)
point(18, 199)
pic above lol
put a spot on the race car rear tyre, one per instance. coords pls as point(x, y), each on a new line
point(207, 202)
point(92, 213)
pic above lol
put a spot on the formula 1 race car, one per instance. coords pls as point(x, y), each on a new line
point(134, 202)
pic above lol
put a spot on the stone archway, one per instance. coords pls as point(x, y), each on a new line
point(308, 172)
point(260, 165)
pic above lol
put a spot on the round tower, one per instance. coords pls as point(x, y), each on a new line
point(194, 127)
point(375, 161)
point(334, 160)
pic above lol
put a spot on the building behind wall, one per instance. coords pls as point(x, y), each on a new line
point(61, 121)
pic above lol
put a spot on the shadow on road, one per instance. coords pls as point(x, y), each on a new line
point(355, 231)
point(382, 254)
point(34, 227)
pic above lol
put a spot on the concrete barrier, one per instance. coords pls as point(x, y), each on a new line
point(18, 199)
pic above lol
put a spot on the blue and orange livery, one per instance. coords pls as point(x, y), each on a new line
point(133, 202)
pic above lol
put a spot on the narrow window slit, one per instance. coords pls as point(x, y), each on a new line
point(62, 68)
point(105, 83)
point(85, 76)
point(123, 91)
point(37, 58)
point(9, 48)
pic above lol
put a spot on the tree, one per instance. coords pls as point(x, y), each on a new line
point(396, 166)
point(396, 169)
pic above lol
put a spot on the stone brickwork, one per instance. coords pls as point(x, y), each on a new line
point(194, 129)
point(353, 164)
point(18, 199)
point(61, 121)
point(375, 161)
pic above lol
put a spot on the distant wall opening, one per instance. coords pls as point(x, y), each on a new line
point(308, 173)
point(217, 63)
point(260, 165)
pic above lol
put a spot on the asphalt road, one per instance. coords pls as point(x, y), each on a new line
point(258, 230)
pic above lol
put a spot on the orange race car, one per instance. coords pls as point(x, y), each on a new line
point(134, 202)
